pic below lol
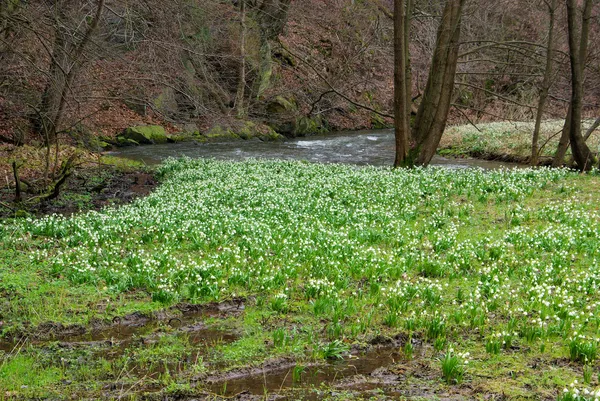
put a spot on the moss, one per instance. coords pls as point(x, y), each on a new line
point(281, 105)
point(144, 134)
point(306, 126)
point(378, 122)
point(219, 132)
point(247, 130)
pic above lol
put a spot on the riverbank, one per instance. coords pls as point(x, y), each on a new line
point(507, 141)
point(233, 276)
point(95, 181)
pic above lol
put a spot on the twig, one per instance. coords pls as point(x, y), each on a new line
point(467, 117)
point(6, 205)
point(334, 90)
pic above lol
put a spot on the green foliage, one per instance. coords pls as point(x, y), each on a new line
point(453, 366)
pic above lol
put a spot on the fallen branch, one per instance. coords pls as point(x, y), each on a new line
point(6, 205)
point(54, 189)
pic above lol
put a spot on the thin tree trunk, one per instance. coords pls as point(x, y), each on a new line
point(563, 143)
point(17, 182)
point(63, 69)
point(400, 85)
point(577, 55)
point(407, 62)
point(239, 98)
point(546, 83)
point(591, 130)
point(437, 98)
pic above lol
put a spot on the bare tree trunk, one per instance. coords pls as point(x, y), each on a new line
point(241, 89)
point(563, 143)
point(437, 98)
point(546, 83)
point(407, 28)
point(577, 54)
point(400, 84)
point(63, 69)
point(581, 56)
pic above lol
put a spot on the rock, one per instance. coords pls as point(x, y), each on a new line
point(166, 102)
point(378, 122)
point(247, 130)
point(22, 214)
point(219, 132)
point(144, 134)
point(281, 105)
point(251, 130)
point(122, 141)
point(306, 126)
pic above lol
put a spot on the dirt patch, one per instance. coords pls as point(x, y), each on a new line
point(277, 376)
point(184, 317)
point(87, 189)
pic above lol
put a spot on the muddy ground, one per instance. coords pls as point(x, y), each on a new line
point(86, 189)
point(376, 369)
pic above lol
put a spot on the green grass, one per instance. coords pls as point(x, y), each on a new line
point(506, 139)
point(23, 374)
point(502, 265)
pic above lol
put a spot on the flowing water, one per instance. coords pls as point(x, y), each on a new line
point(358, 147)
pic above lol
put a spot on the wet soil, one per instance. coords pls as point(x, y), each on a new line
point(184, 317)
point(86, 189)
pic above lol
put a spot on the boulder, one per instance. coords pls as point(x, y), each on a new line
point(281, 105)
point(247, 130)
point(144, 134)
point(306, 126)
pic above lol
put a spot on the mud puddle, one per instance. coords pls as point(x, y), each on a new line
point(362, 371)
point(183, 319)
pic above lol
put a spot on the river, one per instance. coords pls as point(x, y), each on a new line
point(357, 147)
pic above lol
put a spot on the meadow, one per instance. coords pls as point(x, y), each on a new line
point(484, 283)
point(505, 140)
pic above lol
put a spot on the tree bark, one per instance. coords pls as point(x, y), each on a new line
point(577, 55)
point(241, 89)
point(433, 111)
point(410, 5)
point(64, 64)
point(401, 109)
point(546, 83)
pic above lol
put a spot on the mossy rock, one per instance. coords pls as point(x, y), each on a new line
point(22, 214)
point(251, 130)
point(184, 137)
point(246, 130)
point(220, 132)
point(98, 144)
point(166, 102)
point(144, 134)
point(121, 141)
point(306, 126)
point(281, 105)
